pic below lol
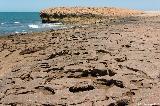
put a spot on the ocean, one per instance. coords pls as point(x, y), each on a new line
point(23, 22)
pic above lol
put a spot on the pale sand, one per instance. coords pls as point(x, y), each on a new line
point(115, 63)
point(150, 13)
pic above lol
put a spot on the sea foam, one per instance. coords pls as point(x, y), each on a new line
point(17, 32)
point(33, 26)
point(16, 22)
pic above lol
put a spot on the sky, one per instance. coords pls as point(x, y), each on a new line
point(37, 5)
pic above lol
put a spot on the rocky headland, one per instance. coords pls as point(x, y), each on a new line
point(84, 15)
point(113, 63)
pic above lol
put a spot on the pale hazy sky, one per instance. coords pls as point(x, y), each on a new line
point(37, 5)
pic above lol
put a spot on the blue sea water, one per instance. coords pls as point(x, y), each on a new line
point(23, 22)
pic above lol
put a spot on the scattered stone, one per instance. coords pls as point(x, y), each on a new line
point(48, 104)
point(111, 82)
point(30, 50)
point(113, 57)
point(54, 69)
point(97, 72)
point(120, 103)
point(61, 53)
point(81, 88)
point(121, 59)
point(46, 90)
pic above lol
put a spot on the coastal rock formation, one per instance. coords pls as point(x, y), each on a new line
point(109, 64)
point(82, 15)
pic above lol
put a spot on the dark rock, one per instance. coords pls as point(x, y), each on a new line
point(48, 104)
point(97, 72)
point(54, 69)
point(81, 88)
point(74, 73)
point(26, 92)
point(102, 51)
point(111, 82)
point(12, 104)
point(61, 53)
point(26, 77)
point(127, 46)
point(31, 50)
point(77, 53)
point(120, 103)
point(46, 90)
point(121, 59)
point(45, 65)
point(133, 69)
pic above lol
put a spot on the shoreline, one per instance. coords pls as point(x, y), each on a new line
point(114, 63)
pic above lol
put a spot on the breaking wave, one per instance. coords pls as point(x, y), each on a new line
point(33, 26)
point(36, 26)
point(16, 22)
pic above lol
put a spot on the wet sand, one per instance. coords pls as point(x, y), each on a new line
point(107, 64)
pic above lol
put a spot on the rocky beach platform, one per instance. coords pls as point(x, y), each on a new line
point(84, 15)
point(112, 63)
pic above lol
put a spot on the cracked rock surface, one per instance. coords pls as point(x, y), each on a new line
point(110, 64)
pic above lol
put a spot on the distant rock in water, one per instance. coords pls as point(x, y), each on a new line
point(77, 14)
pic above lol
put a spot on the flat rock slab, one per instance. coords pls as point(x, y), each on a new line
point(106, 64)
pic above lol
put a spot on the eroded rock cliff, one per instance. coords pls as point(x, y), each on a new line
point(83, 15)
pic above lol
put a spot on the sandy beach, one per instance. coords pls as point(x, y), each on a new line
point(112, 63)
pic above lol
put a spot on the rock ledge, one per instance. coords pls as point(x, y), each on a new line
point(77, 14)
